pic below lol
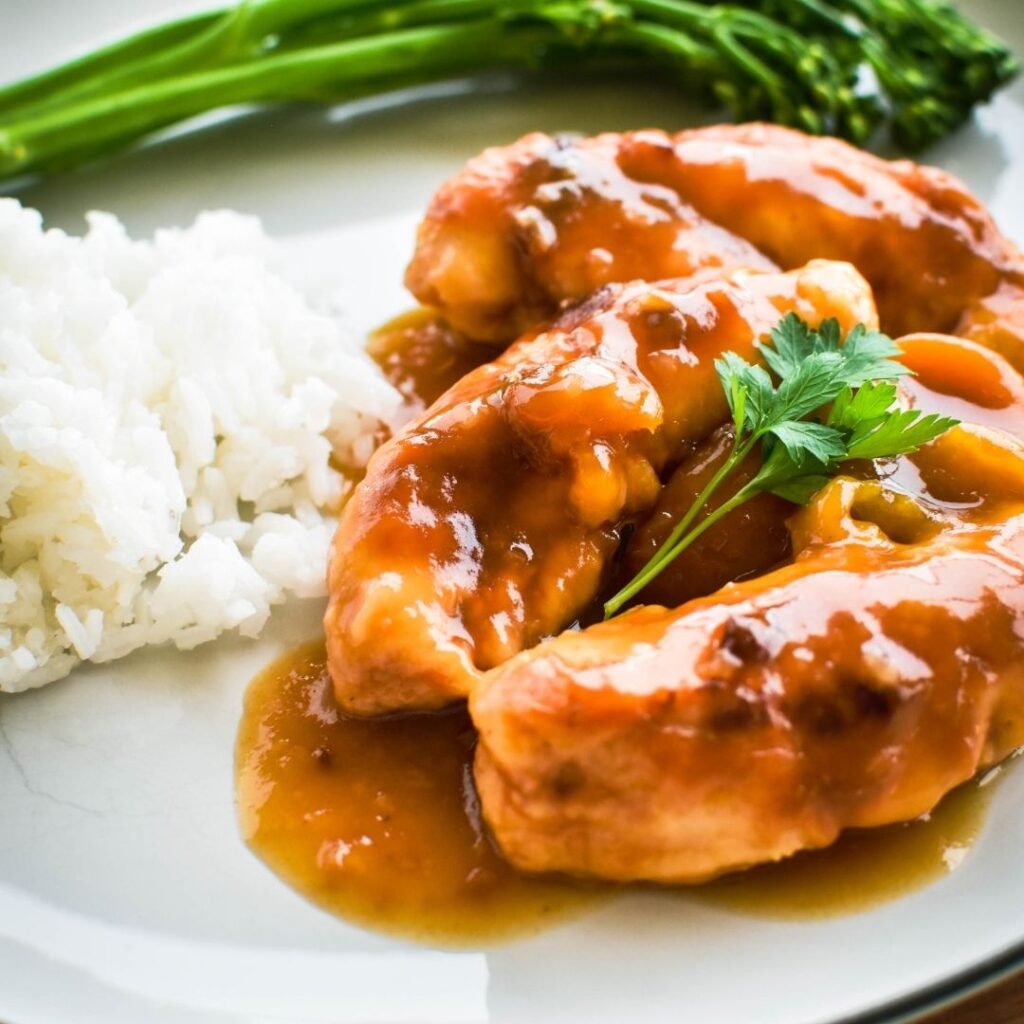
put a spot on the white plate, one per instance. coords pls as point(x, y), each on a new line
point(126, 895)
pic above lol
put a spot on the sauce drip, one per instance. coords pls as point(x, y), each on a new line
point(422, 356)
point(864, 868)
point(377, 821)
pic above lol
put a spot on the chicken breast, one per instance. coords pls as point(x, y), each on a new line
point(525, 228)
point(929, 249)
point(852, 688)
point(528, 226)
point(997, 320)
point(488, 522)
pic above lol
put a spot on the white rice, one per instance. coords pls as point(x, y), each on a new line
point(168, 410)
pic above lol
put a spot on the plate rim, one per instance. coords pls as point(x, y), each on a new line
point(945, 993)
point(913, 1004)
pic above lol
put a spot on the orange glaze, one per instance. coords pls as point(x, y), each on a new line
point(490, 520)
point(751, 540)
point(524, 229)
point(547, 220)
point(865, 867)
point(962, 379)
point(997, 320)
point(423, 356)
point(953, 377)
point(376, 821)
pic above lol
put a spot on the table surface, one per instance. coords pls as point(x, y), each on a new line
point(1002, 1004)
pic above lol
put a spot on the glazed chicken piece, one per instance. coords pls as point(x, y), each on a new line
point(853, 687)
point(929, 249)
point(997, 320)
point(544, 220)
point(488, 523)
point(525, 228)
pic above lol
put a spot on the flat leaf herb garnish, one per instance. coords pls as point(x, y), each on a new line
point(834, 402)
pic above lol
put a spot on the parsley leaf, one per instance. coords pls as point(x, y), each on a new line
point(869, 356)
point(815, 382)
point(801, 489)
point(791, 345)
point(805, 441)
point(748, 389)
point(835, 401)
point(871, 402)
point(899, 433)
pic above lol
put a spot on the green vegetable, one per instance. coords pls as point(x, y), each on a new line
point(849, 389)
point(796, 62)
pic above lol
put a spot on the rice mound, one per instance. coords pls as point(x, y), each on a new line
point(168, 414)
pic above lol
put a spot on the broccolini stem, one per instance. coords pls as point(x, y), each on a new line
point(60, 81)
point(797, 62)
point(61, 137)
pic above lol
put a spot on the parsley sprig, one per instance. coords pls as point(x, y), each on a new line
point(834, 402)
